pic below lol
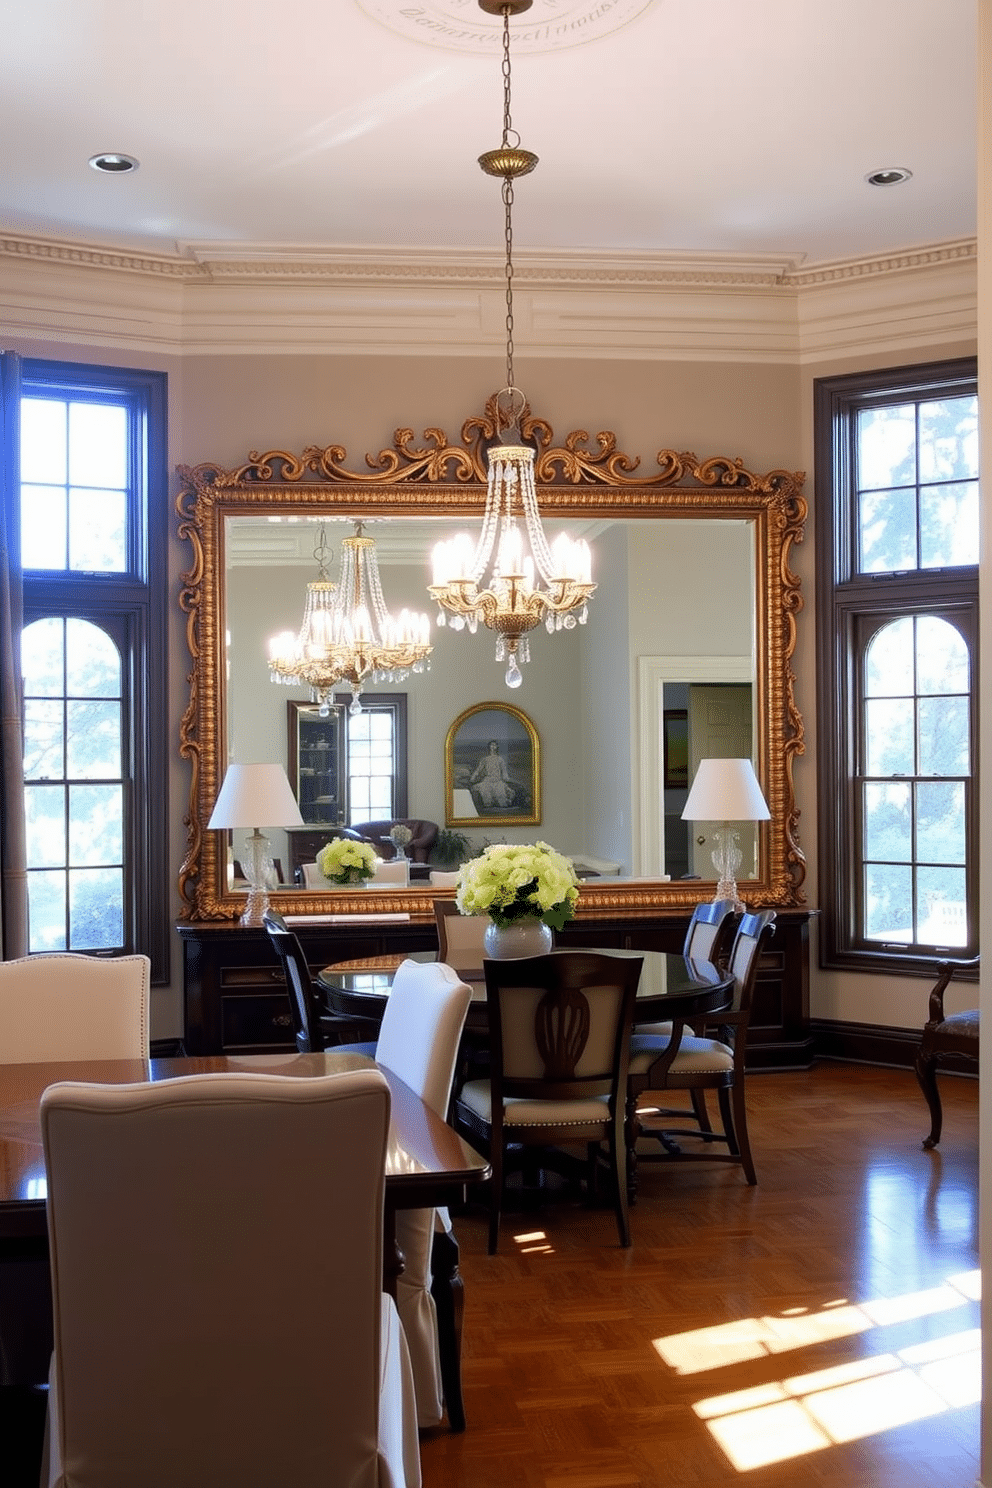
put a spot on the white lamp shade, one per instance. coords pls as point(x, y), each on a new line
point(725, 790)
point(255, 796)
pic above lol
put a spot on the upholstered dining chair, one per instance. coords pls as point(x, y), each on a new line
point(59, 1005)
point(181, 1214)
point(66, 1006)
point(418, 1040)
point(459, 937)
point(559, 1037)
point(948, 1039)
point(314, 1026)
point(662, 1062)
point(711, 931)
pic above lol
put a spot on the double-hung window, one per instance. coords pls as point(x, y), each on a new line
point(897, 556)
point(93, 544)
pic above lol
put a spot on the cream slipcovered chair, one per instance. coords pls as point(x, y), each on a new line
point(65, 1006)
point(216, 1252)
point(59, 1006)
point(418, 1040)
point(559, 1036)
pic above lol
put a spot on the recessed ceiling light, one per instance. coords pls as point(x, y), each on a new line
point(890, 175)
point(113, 164)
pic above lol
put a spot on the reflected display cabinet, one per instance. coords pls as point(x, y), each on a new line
point(316, 763)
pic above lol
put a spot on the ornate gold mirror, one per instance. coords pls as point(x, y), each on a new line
point(694, 591)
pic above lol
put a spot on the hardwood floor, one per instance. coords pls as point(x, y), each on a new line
point(820, 1328)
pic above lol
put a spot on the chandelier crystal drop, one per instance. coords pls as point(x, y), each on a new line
point(348, 635)
point(511, 578)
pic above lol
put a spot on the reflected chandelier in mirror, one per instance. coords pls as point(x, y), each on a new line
point(589, 483)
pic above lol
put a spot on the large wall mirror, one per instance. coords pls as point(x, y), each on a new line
point(693, 619)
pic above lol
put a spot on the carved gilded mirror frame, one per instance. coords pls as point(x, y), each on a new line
point(574, 480)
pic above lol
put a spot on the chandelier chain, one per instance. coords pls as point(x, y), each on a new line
point(508, 199)
point(508, 204)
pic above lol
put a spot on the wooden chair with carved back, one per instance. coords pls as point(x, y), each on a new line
point(693, 1063)
point(950, 1039)
point(559, 1037)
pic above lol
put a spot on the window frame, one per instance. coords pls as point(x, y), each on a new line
point(848, 605)
point(132, 605)
point(396, 704)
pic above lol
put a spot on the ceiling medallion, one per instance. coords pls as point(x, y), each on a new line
point(458, 26)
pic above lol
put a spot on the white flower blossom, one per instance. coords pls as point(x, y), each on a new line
point(344, 861)
point(514, 881)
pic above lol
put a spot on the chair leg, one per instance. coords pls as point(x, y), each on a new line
point(495, 1193)
point(736, 1124)
point(448, 1292)
point(618, 1164)
point(631, 1130)
point(926, 1074)
point(698, 1098)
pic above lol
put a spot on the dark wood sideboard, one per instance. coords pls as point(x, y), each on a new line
point(236, 1002)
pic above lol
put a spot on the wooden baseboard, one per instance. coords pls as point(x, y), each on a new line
point(867, 1043)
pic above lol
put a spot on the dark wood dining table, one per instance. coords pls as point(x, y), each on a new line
point(427, 1163)
point(671, 986)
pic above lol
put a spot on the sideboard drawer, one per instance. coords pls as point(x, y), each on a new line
point(261, 1022)
point(251, 976)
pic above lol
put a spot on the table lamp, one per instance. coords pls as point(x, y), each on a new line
point(252, 795)
point(726, 790)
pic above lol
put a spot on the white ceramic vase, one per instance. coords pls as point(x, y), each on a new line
point(522, 938)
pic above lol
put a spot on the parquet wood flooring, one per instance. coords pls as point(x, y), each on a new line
point(840, 1294)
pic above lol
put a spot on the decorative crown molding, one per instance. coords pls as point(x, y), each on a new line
point(283, 299)
point(206, 262)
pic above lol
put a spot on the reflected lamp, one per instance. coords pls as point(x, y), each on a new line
point(253, 796)
point(726, 791)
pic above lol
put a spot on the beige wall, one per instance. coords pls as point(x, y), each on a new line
point(222, 407)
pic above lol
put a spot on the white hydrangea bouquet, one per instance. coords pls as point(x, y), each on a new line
point(511, 882)
point(344, 861)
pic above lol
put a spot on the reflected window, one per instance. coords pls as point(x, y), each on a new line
point(897, 510)
point(371, 765)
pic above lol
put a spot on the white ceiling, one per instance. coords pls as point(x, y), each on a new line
point(695, 126)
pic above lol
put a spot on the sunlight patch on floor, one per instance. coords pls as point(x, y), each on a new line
point(750, 1338)
point(790, 1418)
point(535, 1242)
point(803, 1413)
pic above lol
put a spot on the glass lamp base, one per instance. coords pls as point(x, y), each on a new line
point(727, 858)
point(259, 871)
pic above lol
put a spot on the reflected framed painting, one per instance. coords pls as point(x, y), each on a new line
point(492, 768)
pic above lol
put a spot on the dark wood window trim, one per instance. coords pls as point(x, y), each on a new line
point(844, 599)
point(136, 603)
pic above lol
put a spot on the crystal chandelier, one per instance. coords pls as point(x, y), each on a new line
point(529, 580)
point(347, 634)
